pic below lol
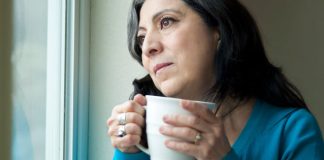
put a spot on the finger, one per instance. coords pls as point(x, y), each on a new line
point(183, 147)
point(129, 106)
point(188, 121)
point(140, 99)
point(130, 129)
point(199, 110)
point(126, 141)
point(131, 117)
point(184, 133)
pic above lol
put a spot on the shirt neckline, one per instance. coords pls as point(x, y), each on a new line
point(251, 128)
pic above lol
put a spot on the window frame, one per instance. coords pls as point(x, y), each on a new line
point(67, 96)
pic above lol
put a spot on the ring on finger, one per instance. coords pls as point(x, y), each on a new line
point(198, 138)
point(122, 118)
point(121, 131)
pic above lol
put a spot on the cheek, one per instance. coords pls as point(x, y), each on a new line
point(145, 64)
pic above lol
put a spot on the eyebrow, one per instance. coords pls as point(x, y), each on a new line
point(161, 12)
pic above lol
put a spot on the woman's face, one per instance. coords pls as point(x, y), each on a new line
point(178, 48)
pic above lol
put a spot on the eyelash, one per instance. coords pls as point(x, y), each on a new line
point(140, 40)
point(170, 20)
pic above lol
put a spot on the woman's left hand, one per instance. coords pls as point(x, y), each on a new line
point(201, 135)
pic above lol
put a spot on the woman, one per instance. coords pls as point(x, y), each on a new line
point(211, 50)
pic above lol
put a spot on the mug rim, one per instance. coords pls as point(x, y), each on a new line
point(178, 99)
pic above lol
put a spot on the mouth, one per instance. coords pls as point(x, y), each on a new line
point(161, 66)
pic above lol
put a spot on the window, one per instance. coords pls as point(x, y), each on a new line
point(29, 79)
point(50, 79)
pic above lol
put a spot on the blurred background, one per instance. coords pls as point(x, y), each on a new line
point(292, 31)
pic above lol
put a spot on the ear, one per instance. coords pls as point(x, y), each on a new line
point(217, 38)
point(218, 44)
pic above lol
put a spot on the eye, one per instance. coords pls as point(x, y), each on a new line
point(140, 40)
point(166, 22)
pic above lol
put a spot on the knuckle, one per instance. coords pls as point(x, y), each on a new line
point(185, 148)
point(177, 117)
point(218, 132)
point(111, 131)
point(128, 139)
point(134, 129)
point(114, 110)
point(132, 117)
point(130, 105)
point(193, 120)
point(110, 121)
point(131, 140)
point(138, 119)
point(188, 132)
point(114, 144)
point(131, 126)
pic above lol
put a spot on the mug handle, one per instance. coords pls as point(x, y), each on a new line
point(142, 148)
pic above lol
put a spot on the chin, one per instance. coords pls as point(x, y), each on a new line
point(170, 92)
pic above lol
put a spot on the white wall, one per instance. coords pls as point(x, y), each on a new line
point(293, 33)
point(112, 70)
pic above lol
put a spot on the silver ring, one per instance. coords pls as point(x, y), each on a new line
point(122, 119)
point(198, 138)
point(121, 131)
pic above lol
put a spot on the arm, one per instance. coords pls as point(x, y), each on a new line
point(130, 156)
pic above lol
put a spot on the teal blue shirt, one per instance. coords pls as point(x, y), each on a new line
point(270, 133)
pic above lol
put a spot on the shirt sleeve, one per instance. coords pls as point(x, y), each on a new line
point(130, 156)
point(302, 137)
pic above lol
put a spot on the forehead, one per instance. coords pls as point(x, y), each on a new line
point(151, 7)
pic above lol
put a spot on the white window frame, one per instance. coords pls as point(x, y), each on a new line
point(67, 80)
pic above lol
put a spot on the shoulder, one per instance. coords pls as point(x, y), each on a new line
point(292, 120)
point(300, 135)
point(301, 125)
point(301, 119)
point(293, 131)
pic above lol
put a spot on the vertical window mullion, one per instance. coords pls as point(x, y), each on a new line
point(55, 80)
point(71, 81)
point(77, 80)
point(67, 80)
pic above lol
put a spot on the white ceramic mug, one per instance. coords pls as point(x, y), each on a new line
point(156, 108)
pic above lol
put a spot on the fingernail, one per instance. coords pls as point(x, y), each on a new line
point(165, 118)
point(162, 129)
point(168, 143)
point(186, 103)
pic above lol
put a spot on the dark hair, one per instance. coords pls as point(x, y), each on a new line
point(241, 67)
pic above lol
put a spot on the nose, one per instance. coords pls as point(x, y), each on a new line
point(152, 44)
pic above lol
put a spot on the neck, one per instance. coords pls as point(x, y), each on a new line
point(235, 116)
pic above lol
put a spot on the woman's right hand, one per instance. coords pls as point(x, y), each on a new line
point(134, 111)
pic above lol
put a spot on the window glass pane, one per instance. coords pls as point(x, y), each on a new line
point(29, 79)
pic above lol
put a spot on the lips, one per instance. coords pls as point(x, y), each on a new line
point(160, 66)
